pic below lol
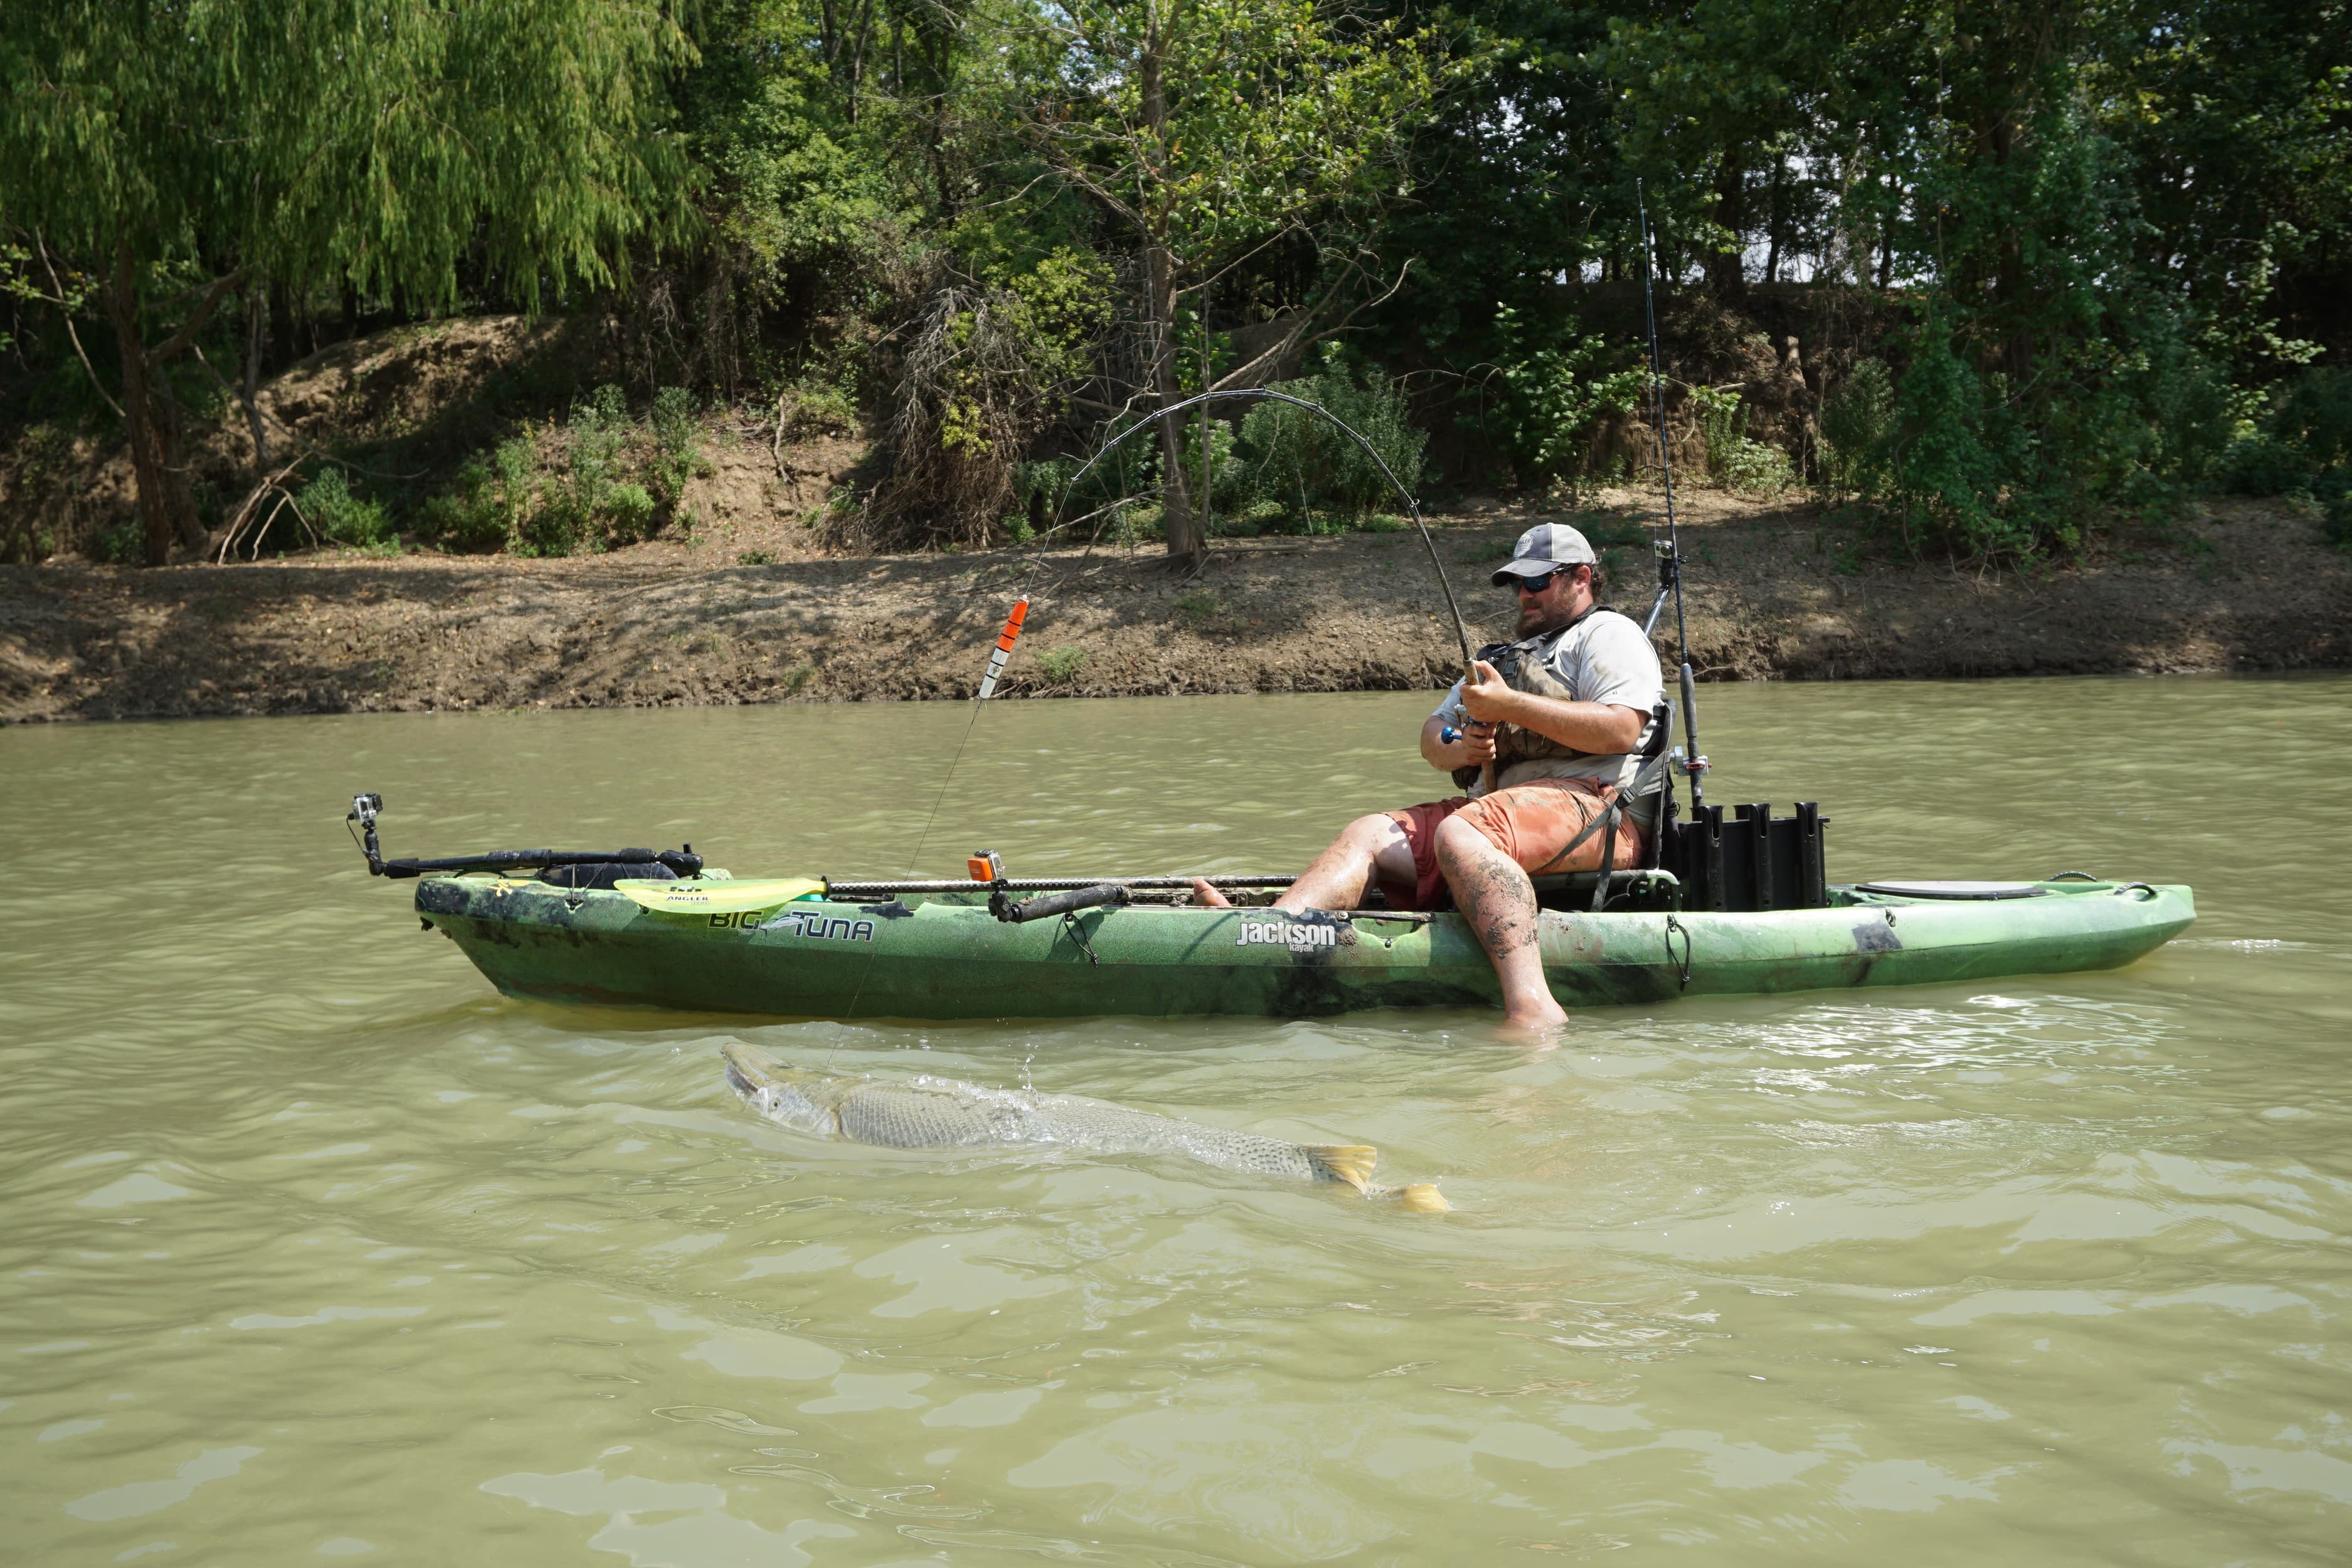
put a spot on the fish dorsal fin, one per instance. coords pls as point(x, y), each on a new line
point(1348, 1162)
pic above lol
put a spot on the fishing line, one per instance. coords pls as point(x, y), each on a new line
point(997, 659)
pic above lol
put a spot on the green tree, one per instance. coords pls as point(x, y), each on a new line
point(163, 158)
point(1207, 131)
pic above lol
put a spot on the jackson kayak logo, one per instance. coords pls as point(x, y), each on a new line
point(825, 927)
point(1297, 938)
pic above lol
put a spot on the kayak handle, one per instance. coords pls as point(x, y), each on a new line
point(1047, 905)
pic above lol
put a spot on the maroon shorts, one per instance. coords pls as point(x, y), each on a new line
point(1530, 822)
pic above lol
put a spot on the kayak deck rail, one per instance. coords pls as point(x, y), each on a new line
point(837, 888)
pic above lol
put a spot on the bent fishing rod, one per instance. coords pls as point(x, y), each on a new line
point(1004, 650)
point(1267, 394)
point(1669, 551)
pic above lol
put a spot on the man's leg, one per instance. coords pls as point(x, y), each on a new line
point(1495, 897)
point(1342, 874)
point(1367, 848)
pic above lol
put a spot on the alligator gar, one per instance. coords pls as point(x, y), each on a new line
point(942, 1113)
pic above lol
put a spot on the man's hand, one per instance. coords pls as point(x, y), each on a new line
point(1475, 743)
point(1489, 698)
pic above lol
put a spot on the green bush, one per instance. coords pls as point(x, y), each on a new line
point(340, 515)
point(2261, 465)
point(123, 544)
point(2302, 442)
point(1322, 480)
point(677, 459)
point(1554, 386)
point(471, 514)
point(628, 513)
point(1857, 426)
point(592, 506)
point(1735, 460)
point(1060, 665)
point(1127, 469)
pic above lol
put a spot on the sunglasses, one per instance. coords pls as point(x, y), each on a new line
point(1538, 584)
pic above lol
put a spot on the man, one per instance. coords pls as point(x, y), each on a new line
point(1553, 725)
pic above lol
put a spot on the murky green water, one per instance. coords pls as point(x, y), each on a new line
point(315, 1245)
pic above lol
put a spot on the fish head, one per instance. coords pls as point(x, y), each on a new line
point(803, 1100)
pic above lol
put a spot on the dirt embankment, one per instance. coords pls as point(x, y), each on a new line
point(1775, 592)
point(735, 602)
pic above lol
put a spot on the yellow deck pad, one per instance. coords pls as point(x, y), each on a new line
point(716, 898)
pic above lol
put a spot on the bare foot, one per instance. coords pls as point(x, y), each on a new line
point(1544, 1033)
point(1204, 894)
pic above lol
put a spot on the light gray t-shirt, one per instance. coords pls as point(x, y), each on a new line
point(1605, 658)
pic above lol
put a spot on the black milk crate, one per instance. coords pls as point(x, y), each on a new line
point(1751, 860)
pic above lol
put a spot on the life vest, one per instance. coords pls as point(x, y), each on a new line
point(1525, 665)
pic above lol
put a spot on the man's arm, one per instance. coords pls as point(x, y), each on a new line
point(1600, 728)
point(1468, 749)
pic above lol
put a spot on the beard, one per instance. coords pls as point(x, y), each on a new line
point(1532, 618)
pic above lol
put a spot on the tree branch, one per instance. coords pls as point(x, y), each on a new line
point(66, 309)
point(196, 323)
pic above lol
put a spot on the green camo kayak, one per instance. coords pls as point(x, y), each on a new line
point(943, 955)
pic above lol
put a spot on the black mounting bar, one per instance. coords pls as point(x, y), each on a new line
point(683, 862)
point(365, 808)
point(1045, 906)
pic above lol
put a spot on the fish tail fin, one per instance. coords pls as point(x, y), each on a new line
point(1348, 1162)
point(1422, 1197)
point(749, 1069)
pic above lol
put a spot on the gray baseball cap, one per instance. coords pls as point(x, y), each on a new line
point(1546, 547)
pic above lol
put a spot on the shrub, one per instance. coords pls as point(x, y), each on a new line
point(471, 515)
point(123, 544)
point(1303, 463)
point(982, 373)
point(1737, 461)
point(341, 516)
point(1555, 385)
point(628, 513)
point(677, 459)
point(1060, 665)
point(815, 406)
point(1857, 425)
point(2303, 441)
point(1200, 610)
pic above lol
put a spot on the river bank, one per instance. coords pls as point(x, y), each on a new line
point(1776, 592)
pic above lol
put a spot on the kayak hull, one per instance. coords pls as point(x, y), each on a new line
point(948, 958)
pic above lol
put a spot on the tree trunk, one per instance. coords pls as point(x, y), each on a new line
point(1160, 308)
point(1726, 270)
point(1175, 503)
point(165, 509)
point(257, 323)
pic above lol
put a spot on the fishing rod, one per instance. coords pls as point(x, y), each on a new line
point(1267, 394)
point(997, 658)
point(1669, 552)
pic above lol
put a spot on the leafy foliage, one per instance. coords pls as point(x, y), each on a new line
point(2046, 263)
point(1555, 386)
point(342, 516)
point(162, 158)
point(1294, 471)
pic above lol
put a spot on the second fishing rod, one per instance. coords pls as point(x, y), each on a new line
point(1669, 549)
